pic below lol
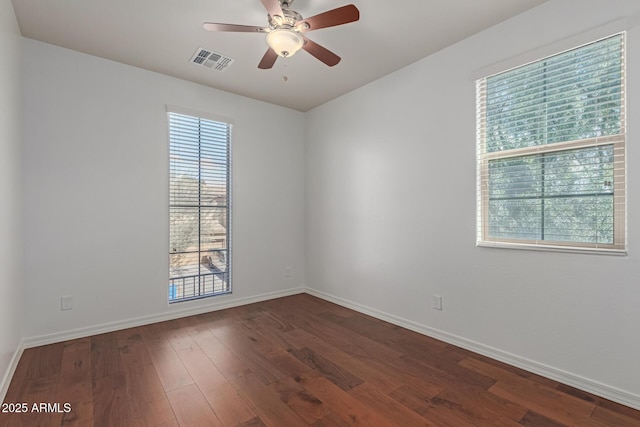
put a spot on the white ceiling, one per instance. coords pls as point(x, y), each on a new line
point(162, 36)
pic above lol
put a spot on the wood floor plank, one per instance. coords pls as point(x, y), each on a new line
point(241, 336)
point(249, 349)
point(273, 329)
point(40, 375)
point(531, 419)
point(486, 400)
point(287, 362)
point(147, 397)
point(353, 344)
point(499, 370)
point(416, 399)
point(435, 414)
point(544, 400)
point(227, 363)
point(191, 408)
point(75, 385)
point(306, 303)
point(471, 409)
point(34, 391)
point(556, 406)
point(577, 393)
point(619, 409)
point(111, 402)
point(331, 420)
point(254, 422)
point(105, 356)
point(517, 371)
point(342, 404)
point(440, 370)
point(330, 370)
point(407, 342)
point(46, 361)
point(18, 383)
point(171, 371)
point(300, 400)
point(614, 419)
point(604, 408)
point(392, 409)
point(265, 402)
point(386, 377)
point(201, 369)
point(70, 382)
point(228, 406)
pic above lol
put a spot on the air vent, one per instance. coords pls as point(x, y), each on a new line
point(211, 60)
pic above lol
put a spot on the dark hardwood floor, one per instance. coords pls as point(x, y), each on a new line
point(295, 361)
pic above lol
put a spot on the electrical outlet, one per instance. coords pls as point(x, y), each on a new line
point(287, 272)
point(66, 303)
point(437, 302)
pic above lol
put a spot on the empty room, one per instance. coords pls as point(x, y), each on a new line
point(317, 213)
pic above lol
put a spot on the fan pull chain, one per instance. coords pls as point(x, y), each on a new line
point(284, 75)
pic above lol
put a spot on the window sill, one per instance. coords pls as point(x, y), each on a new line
point(551, 248)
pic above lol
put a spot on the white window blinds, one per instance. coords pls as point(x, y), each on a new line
point(199, 207)
point(551, 152)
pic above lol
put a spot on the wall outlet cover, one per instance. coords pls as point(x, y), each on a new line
point(66, 303)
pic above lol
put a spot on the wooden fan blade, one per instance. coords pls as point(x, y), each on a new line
point(273, 7)
point(331, 18)
point(321, 53)
point(268, 59)
point(212, 26)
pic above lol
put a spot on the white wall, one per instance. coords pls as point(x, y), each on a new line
point(96, 193)
point(391, 217)
point(11, 289)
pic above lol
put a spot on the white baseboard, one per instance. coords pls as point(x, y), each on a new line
point(216, 304)
point(603, 390)
point(11, 369)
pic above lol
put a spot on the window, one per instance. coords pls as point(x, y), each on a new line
point(199, 207)
point(551, 152)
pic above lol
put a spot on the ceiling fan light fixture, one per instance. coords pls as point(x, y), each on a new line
point(284, 41)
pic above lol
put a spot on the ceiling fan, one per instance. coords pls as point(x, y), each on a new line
point(286, 29)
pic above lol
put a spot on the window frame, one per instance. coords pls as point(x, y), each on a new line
point(483, 157)
point(224, 275)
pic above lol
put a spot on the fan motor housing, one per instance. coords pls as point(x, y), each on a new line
point(289, 19)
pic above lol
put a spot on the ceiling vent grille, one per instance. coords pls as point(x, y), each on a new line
point(211, 60)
